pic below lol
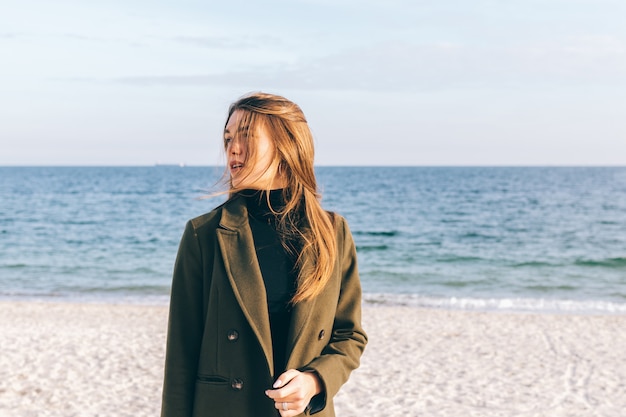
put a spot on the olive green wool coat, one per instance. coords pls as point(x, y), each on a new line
point(219, 359)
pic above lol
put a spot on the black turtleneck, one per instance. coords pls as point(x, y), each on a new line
point(277, 265)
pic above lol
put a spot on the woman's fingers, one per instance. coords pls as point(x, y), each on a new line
point(294, 390)
point(285, 377)
point(287, 409)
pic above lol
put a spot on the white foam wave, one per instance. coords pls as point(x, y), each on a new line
point(537, 305)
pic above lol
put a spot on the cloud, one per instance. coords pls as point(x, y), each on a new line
point(64, 40)
point(217, 42)
point(383, 4)
point(173, 80)
point(411, 67)
point(599, 59)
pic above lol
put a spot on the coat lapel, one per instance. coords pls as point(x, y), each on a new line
point(301, 315)
point(243, 271)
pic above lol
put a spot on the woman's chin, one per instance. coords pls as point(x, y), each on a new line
point(237, 182)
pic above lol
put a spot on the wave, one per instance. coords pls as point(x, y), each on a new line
point(366, 248)
point(80, 222)
point(459, 259)
point(126, 298)
point(534, 264)
point(141, 270)
point(550, 288)
point(386, 233)
point(129, 289)
point(121, 293)
point(619, 262)
point(477, 235)
point(532, 305)
point(14, 266)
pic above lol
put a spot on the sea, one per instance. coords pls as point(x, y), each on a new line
point(538, 239)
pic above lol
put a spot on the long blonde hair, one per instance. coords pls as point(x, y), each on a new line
point(285, 124)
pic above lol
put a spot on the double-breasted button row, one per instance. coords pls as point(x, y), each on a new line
point(236, 384)
point(233, 335)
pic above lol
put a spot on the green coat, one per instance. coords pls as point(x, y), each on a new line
point(219, 359)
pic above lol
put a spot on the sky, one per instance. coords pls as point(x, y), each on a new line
point(381, 82)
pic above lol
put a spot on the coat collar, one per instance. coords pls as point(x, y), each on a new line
point(244, 274)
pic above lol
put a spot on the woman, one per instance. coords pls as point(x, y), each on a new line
point(265, 314)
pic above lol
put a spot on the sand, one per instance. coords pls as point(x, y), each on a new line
point(65, 359)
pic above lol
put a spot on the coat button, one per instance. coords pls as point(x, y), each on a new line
point(236, 384)
point(233, 335)
point(321, 335)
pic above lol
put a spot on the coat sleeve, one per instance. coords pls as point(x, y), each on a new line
point(185, 326)
point(348, 339)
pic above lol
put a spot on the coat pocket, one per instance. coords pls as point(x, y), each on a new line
point(212, 380)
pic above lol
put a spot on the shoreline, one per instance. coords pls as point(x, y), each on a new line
point(88, 359)
point(461, 304)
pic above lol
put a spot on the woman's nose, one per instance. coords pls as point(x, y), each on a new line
point(235, 147)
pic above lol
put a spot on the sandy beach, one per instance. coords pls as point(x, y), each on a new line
point(87, 360)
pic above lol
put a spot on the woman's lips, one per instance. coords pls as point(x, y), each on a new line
point(235, 166)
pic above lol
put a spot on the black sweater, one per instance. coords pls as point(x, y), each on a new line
point(277, 264)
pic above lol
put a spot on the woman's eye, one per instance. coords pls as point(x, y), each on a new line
point(228, 140)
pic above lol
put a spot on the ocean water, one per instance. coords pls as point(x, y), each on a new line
point(538, 239)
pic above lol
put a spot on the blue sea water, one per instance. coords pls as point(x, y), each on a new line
point(539, 239)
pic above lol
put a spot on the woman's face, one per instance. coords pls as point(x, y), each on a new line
point(260, 173)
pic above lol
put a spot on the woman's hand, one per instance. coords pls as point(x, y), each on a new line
point(293, 391)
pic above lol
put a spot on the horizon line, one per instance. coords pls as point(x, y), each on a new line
point(184, 165)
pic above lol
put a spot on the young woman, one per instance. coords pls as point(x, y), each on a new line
point(265, 311)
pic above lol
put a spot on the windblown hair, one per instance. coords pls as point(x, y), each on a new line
point(285, 124)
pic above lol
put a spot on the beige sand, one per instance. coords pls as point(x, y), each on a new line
point(107, 360)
